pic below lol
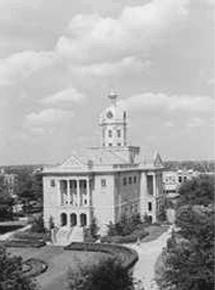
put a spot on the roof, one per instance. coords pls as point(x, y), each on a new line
point(101, 160)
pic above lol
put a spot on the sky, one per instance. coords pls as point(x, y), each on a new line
point(60, 59)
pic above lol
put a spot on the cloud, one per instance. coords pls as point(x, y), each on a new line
point(195, 122)
point(47, 117)
point(22, 65)
point(169, 124)
point(67, 96)
point(151, 101)
point(92, 38)
point(107, 69)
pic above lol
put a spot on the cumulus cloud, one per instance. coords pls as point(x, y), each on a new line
point(169, 124)
point(92, 38)
point(22, 65)
point(195, 122)
point(107, 69)
point(67, 96)
point(47, 117)
point(150, 101)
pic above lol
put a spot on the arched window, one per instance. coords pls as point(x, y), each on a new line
point(73, 219)
point(63, 219)
point(110, 133)
point(83, 219)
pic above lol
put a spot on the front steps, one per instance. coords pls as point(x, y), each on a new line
point(66, 235)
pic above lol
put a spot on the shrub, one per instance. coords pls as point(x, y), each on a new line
point(125, 226)
point(128, 257)
point(91, 233)
point(34, 267)
point(108, 274)
point(38, 225)
point(138, 234)
point(11, 274)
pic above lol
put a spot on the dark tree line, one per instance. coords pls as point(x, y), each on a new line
point(188, 260)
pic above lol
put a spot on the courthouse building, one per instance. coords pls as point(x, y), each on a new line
point(105, 182)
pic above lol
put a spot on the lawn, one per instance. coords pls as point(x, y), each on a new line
point(59, 262)
point(154, 232)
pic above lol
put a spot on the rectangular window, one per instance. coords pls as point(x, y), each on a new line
point(180, 179)
point(135, 179)
point(124, 181)
point(130, 180)
point(118, 144)
point(150, 184)
point(110, 144)
point(52, 183)
point(150, 206)
point(103, 182)
point(118, 133)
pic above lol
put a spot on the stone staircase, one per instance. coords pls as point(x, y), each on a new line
point(66, 235)
point(77, 235)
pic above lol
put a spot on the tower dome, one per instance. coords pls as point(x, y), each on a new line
point(113, 121)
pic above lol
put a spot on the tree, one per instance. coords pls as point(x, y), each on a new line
point(106, 275)
point(188, 260)
point(199, 190)
point(11, 275)
point(6, 202)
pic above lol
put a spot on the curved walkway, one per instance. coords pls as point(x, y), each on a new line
point(148, 254)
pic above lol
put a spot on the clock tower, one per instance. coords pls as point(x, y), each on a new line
point(113, 122)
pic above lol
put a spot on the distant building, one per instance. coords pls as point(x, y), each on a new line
point(172, 180)
point(9, 182)
point(105, 182)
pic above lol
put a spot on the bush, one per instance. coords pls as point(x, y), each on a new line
point(138, 234)
point(91, 233)
point(38, 225)
point(106, 275)
point(125, 226)
point(11, 273)
point(128, 257)
point(34, 267)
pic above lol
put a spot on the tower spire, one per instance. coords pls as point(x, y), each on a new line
point(113, 97)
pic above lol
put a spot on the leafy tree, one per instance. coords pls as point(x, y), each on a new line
point(38, 225)
point(199, 190)
point(125, 226)
point(188, 264)
point(11, 275)
point(188, 260)
point(106, 275)
point(6, 202)
point(94, 228)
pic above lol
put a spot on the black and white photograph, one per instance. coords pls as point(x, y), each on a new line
point(107, 145)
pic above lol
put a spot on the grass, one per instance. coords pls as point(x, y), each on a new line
point(154, 232)
point(59, 261)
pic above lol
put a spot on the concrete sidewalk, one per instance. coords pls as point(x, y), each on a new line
point(148, 254)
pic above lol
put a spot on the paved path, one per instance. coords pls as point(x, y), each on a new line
point(148, 254)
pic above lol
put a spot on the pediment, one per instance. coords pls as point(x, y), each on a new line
point(157, 160)
point(72, 162)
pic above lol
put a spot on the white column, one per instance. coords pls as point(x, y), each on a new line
point(68, 192)
point(88, 191)
point(78, 192)
point(154, 185)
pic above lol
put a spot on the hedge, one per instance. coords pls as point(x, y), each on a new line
point(34, 267)
point(24, 244)
point(132, 238)
point(128, 257)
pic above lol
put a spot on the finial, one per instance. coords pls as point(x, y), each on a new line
point(113, 97)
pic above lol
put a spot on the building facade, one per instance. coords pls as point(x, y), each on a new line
point(172, 180)
point(105, 182)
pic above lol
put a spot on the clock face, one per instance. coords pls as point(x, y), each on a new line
point(109, 114)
